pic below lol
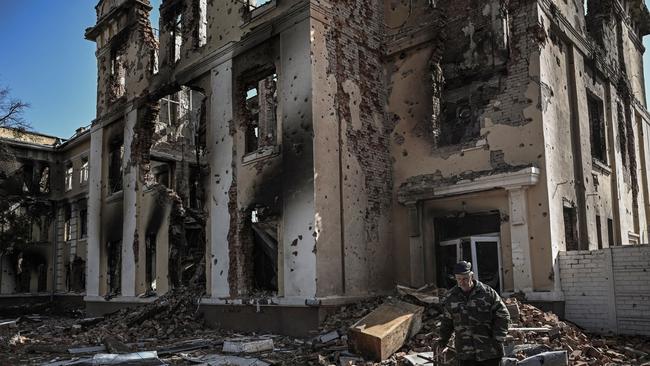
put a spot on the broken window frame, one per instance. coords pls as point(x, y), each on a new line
point(260, 134)
point(115, 168)
point(597, 129)
point(117, 74)
point(84, 171)
point(44, 181)
point(252, 10)
point(67, 223)
point(571, 238)
point(69, 172)
point(83, 223)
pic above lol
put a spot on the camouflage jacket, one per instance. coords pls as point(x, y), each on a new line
point(480, 320)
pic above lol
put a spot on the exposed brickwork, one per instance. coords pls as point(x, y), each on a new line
point(354, 46)
point(589, 278)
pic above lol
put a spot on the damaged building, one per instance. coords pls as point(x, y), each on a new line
point(297, 155)
point(44, 187)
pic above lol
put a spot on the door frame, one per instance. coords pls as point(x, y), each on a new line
point(474, 239)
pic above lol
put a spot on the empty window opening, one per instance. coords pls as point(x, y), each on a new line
point(169, 110)
point(610, 232)
point(203, 23)
point(117, 74)
point(44, 181)
point(77, 281)
point(622, 135)
point(114, 267)
point(150, 270)
point(255, 4)
point(260, 111)
point(67, 223)
point(31, 273)
point(83, 223)
point(265, 249)
point(162, 173)
point(460, 123)
point(84, 171)
point(28, 177)
point(69, 170)
point(599, 232)
point(115, 156)
point(176, 37)
point(570, 228)
point(597, 128)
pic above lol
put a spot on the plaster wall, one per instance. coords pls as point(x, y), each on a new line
point(513, 107)
point(353, 172)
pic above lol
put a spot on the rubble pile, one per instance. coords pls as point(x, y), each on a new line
point(172, 315)
point(583, 349)
point(170, 331)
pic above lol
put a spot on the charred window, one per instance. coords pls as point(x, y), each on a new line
point(570, 228)
point(260, 108)
point(114, 262)
point(599, 233)
point(264, 224)
point(460, 123)
point(83, 222)
point(69, 170)
point(115, 156)
point(597, 128)
point(150, 270)
point(174, 25)
point(622, 134)
point(162, 173)
point(610, 232)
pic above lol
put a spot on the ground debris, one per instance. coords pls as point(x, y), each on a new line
point(171, 327)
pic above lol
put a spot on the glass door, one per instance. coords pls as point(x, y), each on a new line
point(486, 254)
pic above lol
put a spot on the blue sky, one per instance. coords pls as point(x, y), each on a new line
point(46, 61)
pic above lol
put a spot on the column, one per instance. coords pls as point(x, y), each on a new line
point(521, 265)
point(94, 211)
point(59, 249)
point(221, 160)
point(130, 217)
point(416, 248)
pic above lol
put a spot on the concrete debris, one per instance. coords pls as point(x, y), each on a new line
point(382, 332)
point(426, 294)
point(219, 360)
point(137, 358)
point(82, 350)
point(328, 337)
point(556, 358)
point(9, 323)
point(55, 341)
point(248, 346)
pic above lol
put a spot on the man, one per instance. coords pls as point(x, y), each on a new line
point(478, 316)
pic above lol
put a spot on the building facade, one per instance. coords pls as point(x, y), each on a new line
point(44, 189)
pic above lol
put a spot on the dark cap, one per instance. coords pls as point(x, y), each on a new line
point(462, 267)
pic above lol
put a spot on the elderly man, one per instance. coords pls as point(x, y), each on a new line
point(478, 316)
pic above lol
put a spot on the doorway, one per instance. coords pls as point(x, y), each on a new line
point(483, 251)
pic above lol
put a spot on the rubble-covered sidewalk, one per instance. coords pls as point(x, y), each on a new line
point(170, 331)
